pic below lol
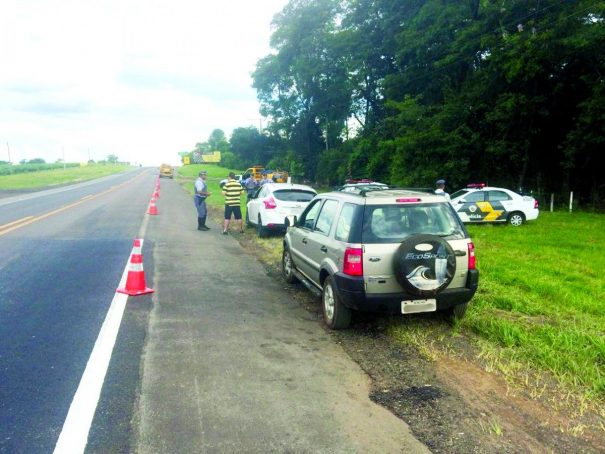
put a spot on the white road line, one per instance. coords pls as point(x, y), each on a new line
point(74, 435)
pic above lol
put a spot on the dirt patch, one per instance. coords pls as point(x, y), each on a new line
point(452, 404)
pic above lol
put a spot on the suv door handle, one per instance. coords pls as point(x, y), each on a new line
point(304, 240)
point(459, 253)
point(323, 249)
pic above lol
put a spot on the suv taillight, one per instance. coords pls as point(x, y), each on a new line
point(536, 204)
point(472, 260)
point(353, 262)
point(270, 203)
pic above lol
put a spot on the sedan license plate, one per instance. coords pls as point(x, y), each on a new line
point(415, 306)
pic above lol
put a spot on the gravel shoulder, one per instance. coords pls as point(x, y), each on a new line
point(451, 402)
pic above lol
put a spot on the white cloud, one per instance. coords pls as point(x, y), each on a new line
point(139, 79)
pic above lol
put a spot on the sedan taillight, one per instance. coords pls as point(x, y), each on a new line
point(472, 260)
point(353, 262)
point(270, 203)
point(536, 204)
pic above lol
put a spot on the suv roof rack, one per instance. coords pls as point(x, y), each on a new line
point(363, 192)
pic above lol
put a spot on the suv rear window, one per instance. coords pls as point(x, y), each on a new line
point(393, 223)
point(293, 195)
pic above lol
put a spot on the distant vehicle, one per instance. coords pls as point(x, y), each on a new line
point(362, 185)
point(272, 202)
point(167, 171)
point(394, 251)
point(259, 173)
point(478, 203)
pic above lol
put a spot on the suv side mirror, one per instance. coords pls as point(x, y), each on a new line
point(291, 220)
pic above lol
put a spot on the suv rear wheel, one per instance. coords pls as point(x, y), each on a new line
point(456, 312)
point(287, 267)
point(336, 314)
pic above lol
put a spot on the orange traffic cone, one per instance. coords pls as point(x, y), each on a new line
point(135, 280)
point(152, 208)
point(156, 193)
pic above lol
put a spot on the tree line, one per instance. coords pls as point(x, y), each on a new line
point(506, 92)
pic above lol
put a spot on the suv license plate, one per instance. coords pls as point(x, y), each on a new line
point(415, 306)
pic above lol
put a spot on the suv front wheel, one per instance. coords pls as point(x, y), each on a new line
point(336, 314)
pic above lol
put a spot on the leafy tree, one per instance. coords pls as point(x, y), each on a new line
point(112, 158)
point(217, 141)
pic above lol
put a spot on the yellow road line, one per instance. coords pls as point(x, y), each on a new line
point(18, 221)
point(31, 219)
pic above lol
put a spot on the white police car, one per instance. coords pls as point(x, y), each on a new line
point(479, 203)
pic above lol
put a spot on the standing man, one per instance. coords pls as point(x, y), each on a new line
point(201, 192)
point(441, 189)
point(250, 184)
point(232, 192)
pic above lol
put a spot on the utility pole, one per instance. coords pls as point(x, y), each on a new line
point(260, 124)
point(63, 148)
point(9, 152)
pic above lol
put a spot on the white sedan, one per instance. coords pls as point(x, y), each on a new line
point(479, 203)
point(272, 202)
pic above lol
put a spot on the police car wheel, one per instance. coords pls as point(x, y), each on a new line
point(424, 265)
point(516, 219)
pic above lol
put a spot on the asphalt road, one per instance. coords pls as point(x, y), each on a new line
point(218, 359)
point(62, 253)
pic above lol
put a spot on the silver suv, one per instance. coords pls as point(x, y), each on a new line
point(392, 250)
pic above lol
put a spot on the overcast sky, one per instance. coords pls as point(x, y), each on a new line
point(141, 79)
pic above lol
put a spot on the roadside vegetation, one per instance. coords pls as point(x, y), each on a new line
point(538, 316)
point(506, 93)
point(44, 177)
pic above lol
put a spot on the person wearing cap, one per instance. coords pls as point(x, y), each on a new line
point(251, 185)
point(441, 189)
point(201, 192)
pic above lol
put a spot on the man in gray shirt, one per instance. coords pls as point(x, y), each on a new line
point(201, 192)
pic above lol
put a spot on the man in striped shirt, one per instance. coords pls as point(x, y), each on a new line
point(232, 192)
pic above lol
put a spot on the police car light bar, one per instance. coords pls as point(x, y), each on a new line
point(476, 185)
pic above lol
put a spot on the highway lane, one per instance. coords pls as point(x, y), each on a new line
point(58, 273)
point(32, 204)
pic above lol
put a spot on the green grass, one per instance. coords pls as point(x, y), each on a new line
point(541, 298)
point(188, 174)
point(44, 178)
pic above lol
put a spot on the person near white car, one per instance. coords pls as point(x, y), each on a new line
point(441, 189)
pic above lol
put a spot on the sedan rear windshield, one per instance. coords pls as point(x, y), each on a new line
point(294, 195)
point(394, 223)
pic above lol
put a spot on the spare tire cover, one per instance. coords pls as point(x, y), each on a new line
point(424, 264)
